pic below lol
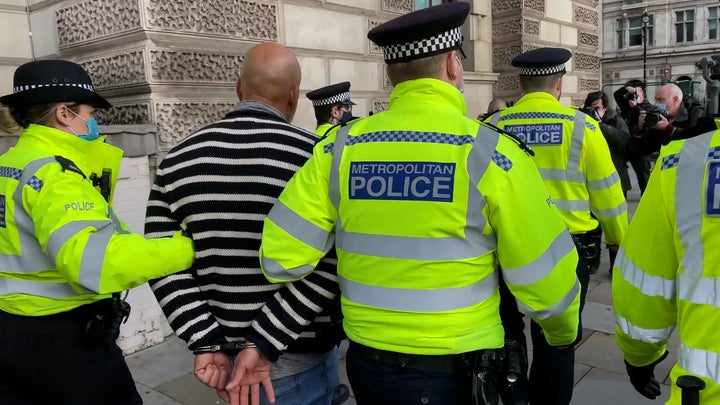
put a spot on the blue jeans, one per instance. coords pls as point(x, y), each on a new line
point(314, 386)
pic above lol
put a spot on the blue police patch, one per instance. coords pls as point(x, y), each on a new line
point(538, 134)
point(2, 211)
point(712, 192)
point(418, 181)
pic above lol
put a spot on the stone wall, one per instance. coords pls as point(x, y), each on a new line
point(522, 25)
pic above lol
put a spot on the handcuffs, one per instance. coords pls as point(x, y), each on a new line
point(229, 348)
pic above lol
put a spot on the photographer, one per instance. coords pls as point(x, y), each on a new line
point(632, 103)
point(667, 119)
point(615, 131)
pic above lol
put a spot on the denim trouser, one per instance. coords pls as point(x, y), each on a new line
point(314, 386)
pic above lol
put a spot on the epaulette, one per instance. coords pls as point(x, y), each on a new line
point(520, 143)
point(69, 165)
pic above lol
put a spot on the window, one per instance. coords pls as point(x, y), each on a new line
point(630, 31)
point(713, 22)
point(420, 4)
point(685, 26)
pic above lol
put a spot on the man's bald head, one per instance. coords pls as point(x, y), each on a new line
point(271, 74)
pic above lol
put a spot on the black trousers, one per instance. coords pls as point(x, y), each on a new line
point(44, 363)
point(375, 382)
point(552, 371)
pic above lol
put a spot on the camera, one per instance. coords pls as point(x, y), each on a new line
point(592, 112)
point(630, 96)
point(654, 115)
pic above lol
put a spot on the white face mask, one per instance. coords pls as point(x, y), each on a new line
point(601, 112)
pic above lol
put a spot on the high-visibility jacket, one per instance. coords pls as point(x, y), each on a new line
point(423, 204)
point(574, 160)
point(61, 245)
point(322, 129)
point(667, 271)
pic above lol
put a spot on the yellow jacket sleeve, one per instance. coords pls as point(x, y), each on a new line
point(535, 250)
point(643, 282)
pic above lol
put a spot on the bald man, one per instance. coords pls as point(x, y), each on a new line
point(217, 185)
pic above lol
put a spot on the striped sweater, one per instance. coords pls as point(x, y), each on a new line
point(218, 185)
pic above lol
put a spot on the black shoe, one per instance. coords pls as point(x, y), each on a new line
point(341, 394)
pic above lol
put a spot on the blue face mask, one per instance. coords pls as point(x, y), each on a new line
point(93, 132)
point(661, 106)
point(347, 116)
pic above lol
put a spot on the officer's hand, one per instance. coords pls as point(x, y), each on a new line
point(643, 378)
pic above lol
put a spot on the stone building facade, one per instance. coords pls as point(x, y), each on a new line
point(678, 33)
point(523, 25)
point(169, 67)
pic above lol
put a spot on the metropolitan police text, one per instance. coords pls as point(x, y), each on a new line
point(425, 181)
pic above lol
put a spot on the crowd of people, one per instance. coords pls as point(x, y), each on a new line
point(420, 235)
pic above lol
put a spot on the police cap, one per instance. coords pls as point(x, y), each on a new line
point(329, 95)
point(422, 33)
point(542, 61)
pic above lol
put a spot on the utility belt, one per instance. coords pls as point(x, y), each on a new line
point(491, 370)
point(92, 323)
point(589, 247)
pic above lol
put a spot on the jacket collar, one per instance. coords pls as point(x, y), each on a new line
point(434, 91)
point(538, 95)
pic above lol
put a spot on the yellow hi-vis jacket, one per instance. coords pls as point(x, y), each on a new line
point(573, 159)
point(667, 272)
point(322, 129)
point(423, 204)
point(61, 245)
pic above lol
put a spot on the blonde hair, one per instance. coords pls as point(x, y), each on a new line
point(14, 118)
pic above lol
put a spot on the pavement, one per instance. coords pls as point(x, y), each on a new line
point(164, 375)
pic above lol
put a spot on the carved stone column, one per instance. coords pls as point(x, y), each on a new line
point(522, 25)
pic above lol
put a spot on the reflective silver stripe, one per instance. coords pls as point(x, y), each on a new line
point(572, 205)
point(611, 212)
point(116, 221)
point(38, 288)
point(654, 286)
point(543, 265)
point(300, 228)
point(578, 137)
point(495, 118)
point(688, 202)
point(337, 151)
point(602, 184)
point(478, 162)
point(699, 362)
point(404, 299)
point(414, 248)
point(276, 271)
point(556, 309)
point(698, 290)
point(563, 175)
point(32, 258)
point(91, 264)
point(66, 232)
point(643, 334)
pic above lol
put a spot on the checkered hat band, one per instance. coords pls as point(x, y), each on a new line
point(336, 99)
point(446, 40)
point(542, 71)
point(19, 89)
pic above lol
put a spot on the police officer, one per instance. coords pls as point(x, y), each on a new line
point(64, 255)
point(332, 106)
point(574, 160)
point(422, 203)
point(666, 272)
